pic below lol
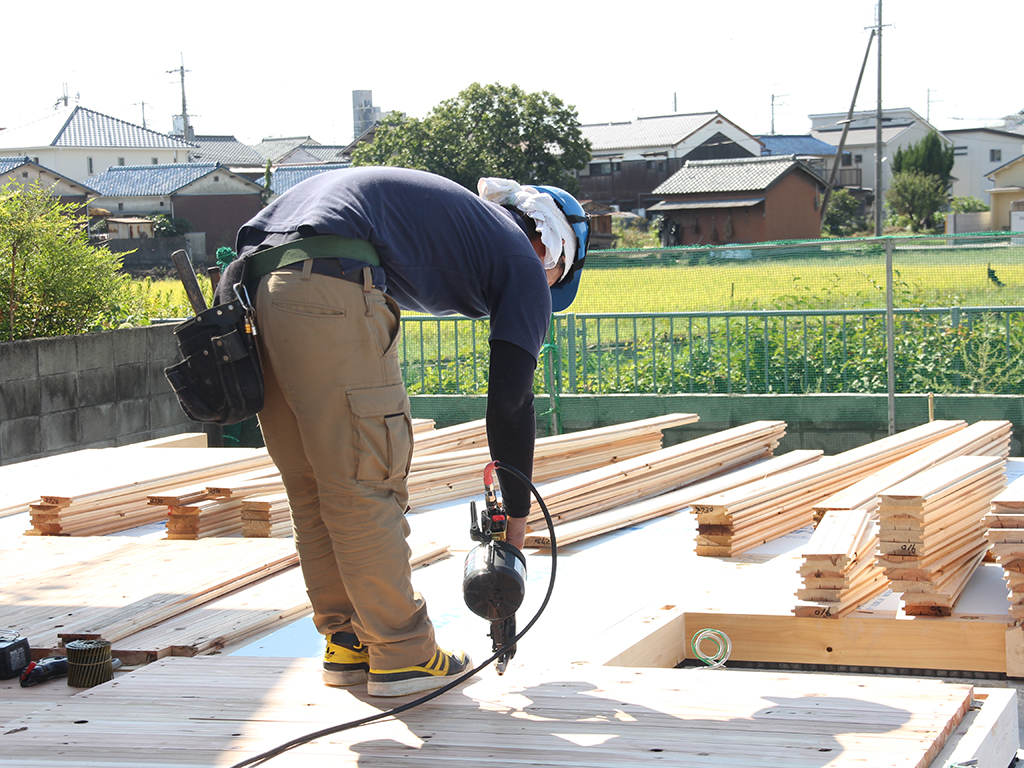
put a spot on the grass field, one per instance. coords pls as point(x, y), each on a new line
point(923, 279)
point(622, 282)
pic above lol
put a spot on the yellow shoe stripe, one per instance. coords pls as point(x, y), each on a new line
point(438, 664)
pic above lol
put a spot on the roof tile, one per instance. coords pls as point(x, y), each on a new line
point(664, 131)
point(746, 174)
point(147, 180)
point(81, 127)
point(287, 176)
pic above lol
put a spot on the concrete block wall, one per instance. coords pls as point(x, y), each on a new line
point(108, 389)
point(96, 390)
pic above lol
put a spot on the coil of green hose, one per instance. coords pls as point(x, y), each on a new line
point(721, 641)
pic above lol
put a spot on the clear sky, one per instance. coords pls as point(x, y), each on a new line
point(274, 70)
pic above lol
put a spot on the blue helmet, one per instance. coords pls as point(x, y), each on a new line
point(564, 291)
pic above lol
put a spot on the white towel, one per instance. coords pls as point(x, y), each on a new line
point(555, 231)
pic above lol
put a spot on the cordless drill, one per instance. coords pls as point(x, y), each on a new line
point(494, 580)
point(43, 670)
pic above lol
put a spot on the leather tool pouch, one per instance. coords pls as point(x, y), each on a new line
point(220, 379)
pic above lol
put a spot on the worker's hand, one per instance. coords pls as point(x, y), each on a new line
point(515, 532)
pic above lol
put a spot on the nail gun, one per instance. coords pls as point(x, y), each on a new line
point(494, 580)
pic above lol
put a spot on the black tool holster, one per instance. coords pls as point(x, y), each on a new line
point(220, 379)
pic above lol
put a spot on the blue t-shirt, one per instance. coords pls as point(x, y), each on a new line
point(443, 249)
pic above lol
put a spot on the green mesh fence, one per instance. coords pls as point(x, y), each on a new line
point(787, 317)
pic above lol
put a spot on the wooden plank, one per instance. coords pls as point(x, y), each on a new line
point(586, 716)
point(988, 734)
point(116, 590)
point(603, 522)
point(983, 437)
point(914, 643)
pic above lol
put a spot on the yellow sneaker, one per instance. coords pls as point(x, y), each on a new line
point(346, 660)
point(437, 671)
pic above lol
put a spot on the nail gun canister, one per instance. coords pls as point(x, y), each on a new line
point(494, 581)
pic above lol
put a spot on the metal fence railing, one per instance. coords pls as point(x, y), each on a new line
point(939, 314)
point(940, 350)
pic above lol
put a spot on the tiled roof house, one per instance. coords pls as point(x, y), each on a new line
point(214, 199)
point(79, 143)
point(741, 200)
point(631, 158)
point(23, 170)
point(227, 150)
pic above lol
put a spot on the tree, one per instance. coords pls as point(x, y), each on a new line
point(918, 196)
point(487, 130)
point(165, 226)
point(52, 281)
point(968, 204)
point(929, 155)
point(841, 217)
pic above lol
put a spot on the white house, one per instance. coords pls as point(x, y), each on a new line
point(978, 152)
point(79, 143)
point(900, 128)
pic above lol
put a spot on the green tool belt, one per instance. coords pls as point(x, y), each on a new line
point(320, 247)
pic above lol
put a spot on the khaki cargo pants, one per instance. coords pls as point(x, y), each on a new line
point(336, 423)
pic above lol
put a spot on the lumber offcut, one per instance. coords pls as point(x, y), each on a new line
point(932, 531)
point(265, 517)
point(746, 517)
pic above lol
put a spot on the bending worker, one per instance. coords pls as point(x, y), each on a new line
point(334, 259)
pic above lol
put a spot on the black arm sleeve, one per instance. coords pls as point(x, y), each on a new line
point(511, 425)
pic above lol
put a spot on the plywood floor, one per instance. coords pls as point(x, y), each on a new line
point(216, 711)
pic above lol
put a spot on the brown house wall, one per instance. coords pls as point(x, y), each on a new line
point(787, 213)
point(792, 213)
point(717, 226)
point(219, 216)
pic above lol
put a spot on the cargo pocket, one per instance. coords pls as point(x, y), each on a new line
point(383, 434)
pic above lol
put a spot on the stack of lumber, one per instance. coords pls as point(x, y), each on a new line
point(442, 477)
point(658, 472)
point(214, 509)
point(839, 569)
point(1005, 535)
point(265, 517)
point(20, 482)
point(203, 519)
point(667, 503)
point(736, 521)
point(932, 531)
point(471, 434)
point(983, 438)
point(114, 495)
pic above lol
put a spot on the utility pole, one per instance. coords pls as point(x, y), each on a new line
point(774, 96)
point(928, 114)
point(143, 104)
point(186, 128)
point(879, 186)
